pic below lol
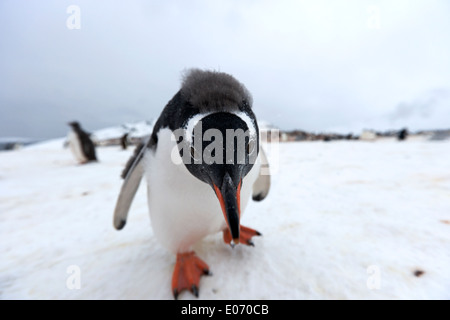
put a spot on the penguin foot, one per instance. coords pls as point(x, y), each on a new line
point(245, 236)
point(186, 275)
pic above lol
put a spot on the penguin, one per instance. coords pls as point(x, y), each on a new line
point(202, 164)
point(81, 144)
point(124, 141)
point(402, 134)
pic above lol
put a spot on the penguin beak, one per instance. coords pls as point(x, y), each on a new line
point(229, 198)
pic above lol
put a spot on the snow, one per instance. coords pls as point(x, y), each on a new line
point(137, 129)
point(343, 220)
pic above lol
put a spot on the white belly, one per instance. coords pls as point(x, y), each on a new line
point(183, 209)
point(75, 147)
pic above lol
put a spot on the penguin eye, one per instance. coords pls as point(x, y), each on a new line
point(251, 146)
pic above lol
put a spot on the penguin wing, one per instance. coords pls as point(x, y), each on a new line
point(262, 184)
point(132, 175)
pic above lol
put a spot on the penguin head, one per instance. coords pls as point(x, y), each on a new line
point(75, 125)
point(220, 148)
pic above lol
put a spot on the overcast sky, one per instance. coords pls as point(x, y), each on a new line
point(313, 65)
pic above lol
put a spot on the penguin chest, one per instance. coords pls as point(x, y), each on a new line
point(75, 146)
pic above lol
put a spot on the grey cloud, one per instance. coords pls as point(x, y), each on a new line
point(310, 65)
point(423, 106)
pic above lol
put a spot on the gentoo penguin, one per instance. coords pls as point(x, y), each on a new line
point(124, 141)
point(202, 163)
point(402, 134)
point(81, 144)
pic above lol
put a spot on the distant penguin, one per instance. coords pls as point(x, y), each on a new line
point(203, 163)
point(402, 134)
point(81, 144)
point(124, 141)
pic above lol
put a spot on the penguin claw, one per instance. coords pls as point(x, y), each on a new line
point(206, 272)
point(187, 272)
point(194, 290)
point(245, 236)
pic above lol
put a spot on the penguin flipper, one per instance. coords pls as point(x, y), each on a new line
point(262, 184)
point(132, 176)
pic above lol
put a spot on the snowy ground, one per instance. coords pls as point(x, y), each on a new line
point(343, 220)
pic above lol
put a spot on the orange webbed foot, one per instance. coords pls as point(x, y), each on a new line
point(186, 275)
point(245, 236)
